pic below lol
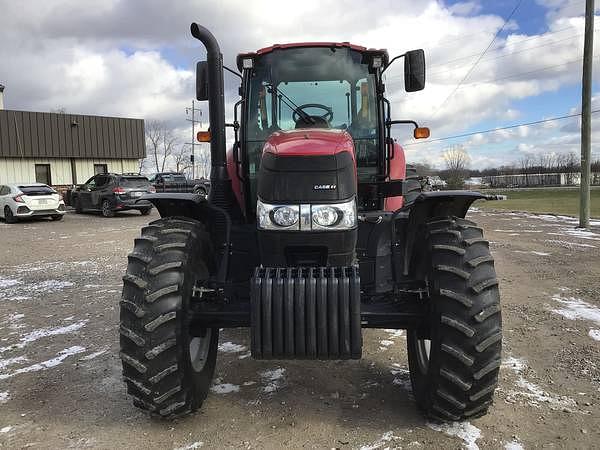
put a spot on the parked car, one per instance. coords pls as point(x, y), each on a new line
point(111, 192)
point(22, 200)
point(178, 182)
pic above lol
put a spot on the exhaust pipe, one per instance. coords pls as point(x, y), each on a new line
point(220, 189)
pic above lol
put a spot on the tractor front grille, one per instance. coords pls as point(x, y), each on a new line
point(306, 313)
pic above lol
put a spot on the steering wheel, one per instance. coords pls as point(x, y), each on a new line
point(298, 115)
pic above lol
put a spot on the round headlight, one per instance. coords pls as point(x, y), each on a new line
point(325, 216)
point(284, 216)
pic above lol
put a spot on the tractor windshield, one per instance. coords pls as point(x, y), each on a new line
point(324, 87)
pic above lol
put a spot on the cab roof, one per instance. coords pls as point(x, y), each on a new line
point(265, 50)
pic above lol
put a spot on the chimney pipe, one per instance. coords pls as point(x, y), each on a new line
point(1, 96)
point(220, 191)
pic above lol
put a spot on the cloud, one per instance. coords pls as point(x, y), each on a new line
point(135, 58)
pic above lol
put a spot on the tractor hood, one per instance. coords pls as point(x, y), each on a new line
point(309, 142)
point(307, 166)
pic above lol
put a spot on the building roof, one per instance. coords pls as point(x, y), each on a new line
point(27, 134)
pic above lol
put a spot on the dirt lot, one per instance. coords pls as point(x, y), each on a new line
point(60, 381)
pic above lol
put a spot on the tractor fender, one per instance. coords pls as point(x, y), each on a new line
point(195, 206)
point(429, 205)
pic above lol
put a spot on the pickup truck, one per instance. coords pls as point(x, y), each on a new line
point(177, 182)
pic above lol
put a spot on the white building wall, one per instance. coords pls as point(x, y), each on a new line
point(15, 170)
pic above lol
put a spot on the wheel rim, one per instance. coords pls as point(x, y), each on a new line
point(198, 349)
point(105, 208)
point(423, 352)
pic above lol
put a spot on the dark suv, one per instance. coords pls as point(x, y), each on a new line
point(110, 192)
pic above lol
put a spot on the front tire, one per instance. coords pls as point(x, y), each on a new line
point(57, 217)
point(455, 359)
point(167, 365)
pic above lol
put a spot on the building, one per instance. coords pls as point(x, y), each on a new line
point(65, 149)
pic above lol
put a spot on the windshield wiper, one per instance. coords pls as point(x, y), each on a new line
point(290, 104)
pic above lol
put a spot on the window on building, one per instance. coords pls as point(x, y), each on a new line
point(42, 174)
point(100, 168)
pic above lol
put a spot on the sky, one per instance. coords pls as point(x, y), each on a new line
point(136, 58)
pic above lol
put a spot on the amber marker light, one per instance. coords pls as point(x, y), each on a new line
point(421, 133)
point(203, 136)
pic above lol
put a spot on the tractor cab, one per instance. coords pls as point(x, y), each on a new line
point(292, 89)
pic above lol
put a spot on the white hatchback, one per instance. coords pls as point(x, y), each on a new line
point(22, 200)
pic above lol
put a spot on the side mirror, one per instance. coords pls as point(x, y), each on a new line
point(414, 70)
point(202, 80)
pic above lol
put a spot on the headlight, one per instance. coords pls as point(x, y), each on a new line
point(331, 216)
point(334, 216)
point(285, 216)
point(277, 217)
point(324, 216)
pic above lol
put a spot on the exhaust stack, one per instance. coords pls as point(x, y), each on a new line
point(220, 191)
point(1, 96)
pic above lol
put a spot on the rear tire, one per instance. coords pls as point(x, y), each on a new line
point(57, 217)
point(411, 188)
point(9, 216)
point(168, 371)
point(454, 362)
point(107, 211)
point(145, 211)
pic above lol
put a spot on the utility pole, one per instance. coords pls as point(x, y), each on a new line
point(193, 143)
point(586, 119)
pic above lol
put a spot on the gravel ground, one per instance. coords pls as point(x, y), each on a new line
point(60, 383)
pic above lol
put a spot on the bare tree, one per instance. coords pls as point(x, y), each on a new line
point(457, 163)
point(160, 143)
point(181, 157)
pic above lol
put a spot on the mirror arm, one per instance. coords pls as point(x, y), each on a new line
point(232, 71)
point(393, 59)
point(389, 123)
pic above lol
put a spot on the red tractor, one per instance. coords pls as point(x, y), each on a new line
point(313, 229)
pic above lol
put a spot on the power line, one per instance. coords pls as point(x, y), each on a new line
point(491, 130)
point(503, 47)
point(479, 58)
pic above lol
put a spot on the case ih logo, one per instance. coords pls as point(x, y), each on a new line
point(325, 187)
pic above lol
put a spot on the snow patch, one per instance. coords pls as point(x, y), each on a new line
point(394, 333)
point(4, 397)
point(533, 252)
point(532, 393)
point(230, 347)
point(595, 334)
point(62, 355)
point(384, 440)
point(274, 379)
point(191, 446)
point(224, 388)
point(6, 429)
point(44, 332)
point(513, 445)
point(463, 430)
point(4, 363)
point(575, 308)
point(93, 355)
point(8, 282)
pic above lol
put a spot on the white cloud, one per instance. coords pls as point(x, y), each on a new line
point(135, 58)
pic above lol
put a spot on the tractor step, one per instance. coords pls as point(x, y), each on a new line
point(305, 313)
